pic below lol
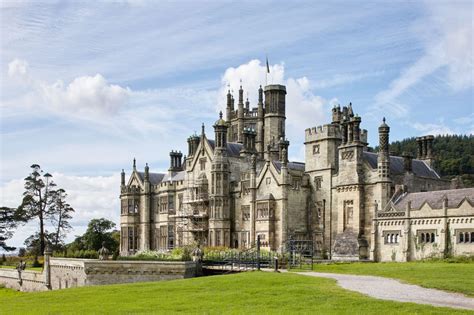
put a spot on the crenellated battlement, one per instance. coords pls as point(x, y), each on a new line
point(322, 132)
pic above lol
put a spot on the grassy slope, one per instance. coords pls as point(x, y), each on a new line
point(456, 277)
point(245, 293)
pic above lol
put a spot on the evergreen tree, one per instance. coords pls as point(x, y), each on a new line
point(8, 222)
point(63, 213)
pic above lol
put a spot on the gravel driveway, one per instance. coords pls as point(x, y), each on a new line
point(390, 289)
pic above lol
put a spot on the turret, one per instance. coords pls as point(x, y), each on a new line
point(147, 173)
point(249, 136)
point(220, 130)
point(383, 160)
point(275, 107)
point(229, 107)
point(259, 141)
point(336, 114)
point(240, 116)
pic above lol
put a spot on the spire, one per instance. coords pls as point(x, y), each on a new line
point(241, 94)
point(203, 130)
point(134, 164)
point(147, 172)
point(260, 95)
point(122, 178)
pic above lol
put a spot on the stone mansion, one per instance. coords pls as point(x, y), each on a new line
point(238, 184)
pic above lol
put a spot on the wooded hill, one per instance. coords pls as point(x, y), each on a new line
point(454, 155)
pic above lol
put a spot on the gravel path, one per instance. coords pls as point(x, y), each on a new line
point(390, 289)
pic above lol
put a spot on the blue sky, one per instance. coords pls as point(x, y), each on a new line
point(87, 86)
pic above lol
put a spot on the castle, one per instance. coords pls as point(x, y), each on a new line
point(353, 204)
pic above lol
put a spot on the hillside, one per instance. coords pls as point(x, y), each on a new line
point(454, 155)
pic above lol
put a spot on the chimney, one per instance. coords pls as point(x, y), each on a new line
point(407, 161)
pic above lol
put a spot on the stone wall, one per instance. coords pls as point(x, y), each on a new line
point(27, 281)
point(70, 272)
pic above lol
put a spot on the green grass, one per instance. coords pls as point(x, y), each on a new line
point(244, 293)
point(456, 277)
point(27, 268)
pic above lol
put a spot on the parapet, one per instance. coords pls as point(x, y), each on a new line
point(322, 132)
point(273, 87)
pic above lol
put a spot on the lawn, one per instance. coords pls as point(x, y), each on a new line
point(456, 277)
point(27, 268)
point(244, 293)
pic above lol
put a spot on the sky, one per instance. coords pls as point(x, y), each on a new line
point(86, 86)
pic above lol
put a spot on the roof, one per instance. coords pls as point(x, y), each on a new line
point(297, 166)
point(419, 168)
point(174, 176)
point(435, 198)
point(233, 149)
point(155, 178)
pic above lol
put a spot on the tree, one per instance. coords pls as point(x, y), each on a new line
point(63, 214)
point(8, 222)
point(98, 231)
point(43, 202)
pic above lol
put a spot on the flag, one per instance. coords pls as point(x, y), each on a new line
point(268, 67)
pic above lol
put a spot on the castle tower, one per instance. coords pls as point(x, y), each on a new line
point(274, 119)
point(219, 219)
point(145, 214)
point(259, 143)
point(229, 106)
point(240, 116)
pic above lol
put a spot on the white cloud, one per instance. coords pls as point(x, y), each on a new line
point(447, 36)
point(433, 129)
point(85, 96)
point(341, 79)
point(303, 108)
point(18, 69)
point(91, 197)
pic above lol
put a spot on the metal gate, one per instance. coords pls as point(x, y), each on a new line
point(300, 254)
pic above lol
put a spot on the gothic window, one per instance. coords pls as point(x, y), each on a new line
point(163, 204)
point(124, 204)
point(245, 187)
point(268, 180)
point(391, 237)
point(163, 237)
point(263, 211)
point(245, 213)
point(170, 203)
point(170, 236)
point(317, 182)
point(348, 213)
point(218, 238)
point(464, 236)
point(426, 237)
point(202, 163)
point(316, 149)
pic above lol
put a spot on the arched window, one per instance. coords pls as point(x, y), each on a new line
point(432, 237)
point(472, 237)
point(422, 237)
point(461, 237)
point(466, 237)
point(391, 238)
point(396, 238)
point(427, 237)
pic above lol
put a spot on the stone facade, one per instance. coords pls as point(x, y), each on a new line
point(229, 189)
point(425, 224)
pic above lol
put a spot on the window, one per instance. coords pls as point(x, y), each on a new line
point(392, 237)
point(316, 149)
point(245, 187)
point(464, 236)
point(180, 201)
point(296, 183)
point(245, 213)
point(426, 237)
point(171, 202)
point(268, 180)
point(317, 182)
point(202, 163)
point(163, 204)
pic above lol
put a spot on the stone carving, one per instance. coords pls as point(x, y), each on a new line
point(103, 252)
point(197, 254)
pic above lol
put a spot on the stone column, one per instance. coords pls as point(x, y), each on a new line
point(47, 267)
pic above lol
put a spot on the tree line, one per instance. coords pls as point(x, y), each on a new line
point(45, 203)
point(454, 155)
